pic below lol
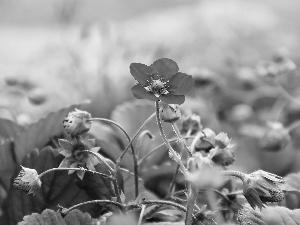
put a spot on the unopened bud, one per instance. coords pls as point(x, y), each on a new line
point(77, 122)
point(191, 123)
point(27, 181)
point(222, 140)
point(169, 112)
point(209, 135)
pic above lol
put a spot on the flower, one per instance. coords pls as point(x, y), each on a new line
point(169, 113)
point(276, 138)
point(222, 140)
point(191, 123)
point(261, 187)
point(201, 173)
point(77, 122)
point(222, 157)
point(27, 180)
point(76, 157)
point(160, 81)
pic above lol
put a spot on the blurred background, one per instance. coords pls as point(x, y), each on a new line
point(61, 52)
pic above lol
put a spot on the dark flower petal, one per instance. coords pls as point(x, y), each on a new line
point(180, 84)
point(253, 198)
point(141, 72)
point(140, 93)
point(172, 99)
point(166, 68)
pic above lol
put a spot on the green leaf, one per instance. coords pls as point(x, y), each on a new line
point(9, 129)
point(57, 188)
point(281, 216)
point(131, 115)
point(7, 163)
point(292, 188)
point(38, 134)
point(51, 217)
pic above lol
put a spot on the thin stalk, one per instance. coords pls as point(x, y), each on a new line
point(141, 161)
point(76, 169)
point(117, 165)
point(162, 133)
point(141, 215)
point(181, 152)
point(134, 137)
point(134, 156)
point(105, 202)
point(177, 132)
point(161, 202)
point(238, 174)
point(191, 201)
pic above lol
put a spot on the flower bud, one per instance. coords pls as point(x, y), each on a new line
point(276, 138)
point(169, 112)
point(209, 135)
point(27, 181)
point(191, 123)
point(222, 140)
point(222, 157)
point(261, 187)
point(76, 123)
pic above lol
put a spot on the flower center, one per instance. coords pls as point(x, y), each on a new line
point(158, 87)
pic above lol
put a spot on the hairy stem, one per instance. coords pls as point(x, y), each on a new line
point(134, 156)
point(76, 169)
point(191, 201)
point(104, 202)
point(141, 215)
point(141, 161)
point(162, 133)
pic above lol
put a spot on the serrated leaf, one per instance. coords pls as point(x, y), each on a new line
point(51, 217)
point(37, 134)
point(131, 115)
point(9, 129)
point(57, 188)
point(281, 216)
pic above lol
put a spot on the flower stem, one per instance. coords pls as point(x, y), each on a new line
point(105, 202)
point(162, 133)
point(238, 174)
point(141, 161)
point(161, 202)
point(134, 156)
point(141, 214)
point(133, 138)
point(76, 169)
point(177, 132)
point(191, 201)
